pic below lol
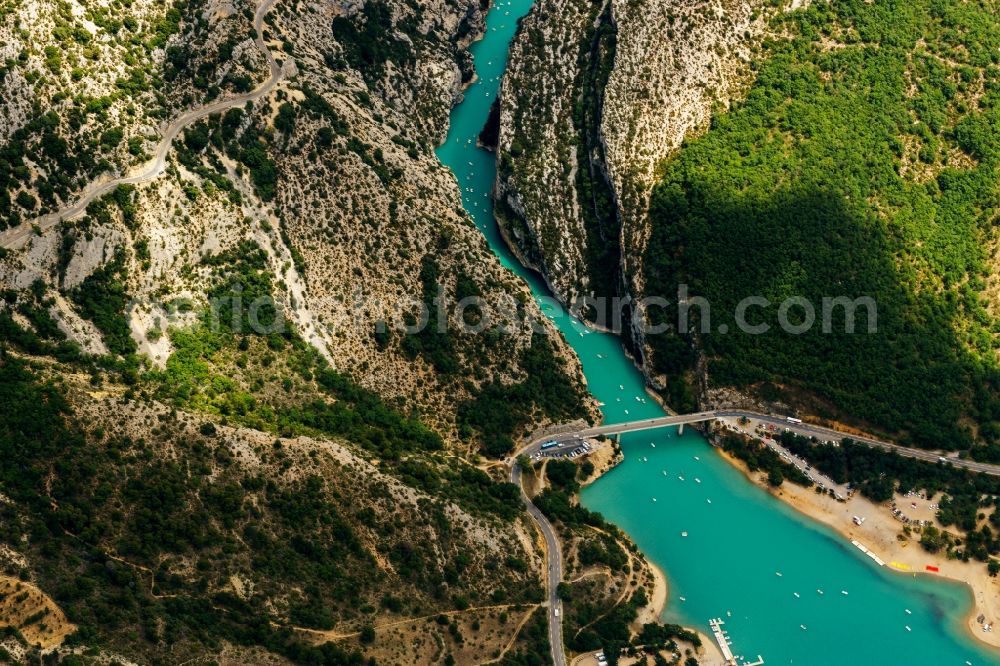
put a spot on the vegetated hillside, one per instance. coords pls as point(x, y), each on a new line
point(257, 451)
point(863, 162)
point(86, 85)
point(164, 537)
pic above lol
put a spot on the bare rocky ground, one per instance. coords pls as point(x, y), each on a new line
point(350, 223)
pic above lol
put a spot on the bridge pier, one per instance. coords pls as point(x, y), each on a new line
point(680, 429)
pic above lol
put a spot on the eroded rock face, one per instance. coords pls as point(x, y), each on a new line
point(537, 149)
point(674, 63)
point(332, 175)
point(573, 104)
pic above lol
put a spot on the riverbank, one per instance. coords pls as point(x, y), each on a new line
point(653, 610)
point(708, 654)
point(882, 534)
point(605, 458)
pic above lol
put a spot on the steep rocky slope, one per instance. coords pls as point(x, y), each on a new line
point(84, 87)
point(332, 175)
point(595, 97)
point(227, 447)
point(831, 160)
point(538, 144)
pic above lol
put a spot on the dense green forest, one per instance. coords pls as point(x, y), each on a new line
point(862, 163)
point(67, 497)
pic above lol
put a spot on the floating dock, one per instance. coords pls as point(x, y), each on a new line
point(725, 645)
point(869, 553)
point(722, 640)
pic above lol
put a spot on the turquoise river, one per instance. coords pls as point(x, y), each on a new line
point(727, 565)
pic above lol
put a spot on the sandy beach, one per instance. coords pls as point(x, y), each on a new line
point(652, 611)
point(882, 534)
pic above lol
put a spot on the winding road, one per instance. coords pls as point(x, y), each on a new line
point(553, 568)
point(17, 235)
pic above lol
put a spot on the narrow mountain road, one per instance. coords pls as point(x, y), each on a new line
point(553, 567)
point(18, 235)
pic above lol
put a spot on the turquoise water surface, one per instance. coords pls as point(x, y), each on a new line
point(727, 565)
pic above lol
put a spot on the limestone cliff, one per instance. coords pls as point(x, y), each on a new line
point(538, 144)
point(567, 111)
point(332, 174)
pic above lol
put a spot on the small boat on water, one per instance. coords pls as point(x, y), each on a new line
point(626, 411)
point(654, 499)
point(697, 480)
point(697, 458)
point(684, 534)
point(819, 590)
point(709, 501)
point(621, 387)
point(682, 598)
point(778, 574)
point(645, 459)
point(796, 595)
point(664, 472)
point(908, 611)
point(681, 478)
point(844, 592)
point(802, 627)
point(908, 627)
point(653, 444)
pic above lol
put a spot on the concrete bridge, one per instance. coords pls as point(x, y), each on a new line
point(793, 425)
point(569, 435)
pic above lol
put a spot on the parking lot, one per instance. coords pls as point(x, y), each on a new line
point(566, 448)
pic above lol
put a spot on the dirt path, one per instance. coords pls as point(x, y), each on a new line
point(333, 635)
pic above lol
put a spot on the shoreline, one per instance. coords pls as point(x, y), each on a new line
point(708, 654)
point(605, 459)
point(878, 534)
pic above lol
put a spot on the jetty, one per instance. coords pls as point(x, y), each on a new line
point(725, 645)
point(723, 640)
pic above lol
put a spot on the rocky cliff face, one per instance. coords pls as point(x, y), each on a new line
point(537, 147)
point(259, 286)
point(676, 63)
point(573, 104)
point(332, 174)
